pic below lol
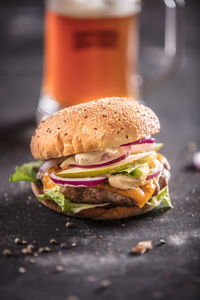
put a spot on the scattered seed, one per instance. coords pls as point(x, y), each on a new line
point(53, 241)
point(62, 245)
point(191, 147)
point(68, 224)
point(162, 241)
point(25, 251)
point(73, 244)
point(105, 283)
point(44, 249)
point(17, 240)
point(91, 278)
point(142, 247)
point(57, 229)
point(193, 191)
point(41, 250)
point(32, 260)
point(28, 249)
point(187, 198)
point(35, 254)
point(7, 252)
point(123, 225)
point(24, 242)
point(73, 297)
point(22, 270)
point(59, 268)
point(47, 249)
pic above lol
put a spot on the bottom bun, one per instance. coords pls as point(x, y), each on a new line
point(98, 213)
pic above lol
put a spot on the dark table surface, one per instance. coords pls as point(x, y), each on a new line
point(101, 254)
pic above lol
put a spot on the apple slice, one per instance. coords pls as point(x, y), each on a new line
point(131, 160)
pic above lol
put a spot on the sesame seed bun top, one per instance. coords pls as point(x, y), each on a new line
point(92, 126)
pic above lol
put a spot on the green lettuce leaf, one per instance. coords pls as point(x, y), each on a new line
point(136, 171)
point(54, 194)
point(133, 172)
point(27, 172)
point(163, 196)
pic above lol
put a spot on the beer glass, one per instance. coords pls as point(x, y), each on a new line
point(91, 51)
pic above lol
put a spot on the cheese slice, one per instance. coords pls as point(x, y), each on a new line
point(47, 182)
point(140, 195)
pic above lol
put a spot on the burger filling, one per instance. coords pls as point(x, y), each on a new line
point(130, 175)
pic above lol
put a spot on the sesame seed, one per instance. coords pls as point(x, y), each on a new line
point(91, 278)
point(72, 297)
point(17, 240)
point(105, 283)
point(47, 249)
point(53, 241)
point(7, 252)
point(32, 260)
point(59, 268)
point(24, 242)
point(162, 241)
point(41, 250)
point(22, 270)
point(62, 245)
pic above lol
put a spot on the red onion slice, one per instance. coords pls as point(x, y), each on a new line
point(152, 175)
point(103, 164)
point(48, 164)
point(196, 160)
point(141, 141)
point(78, 182)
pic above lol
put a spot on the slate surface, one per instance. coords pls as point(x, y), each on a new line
point(102, 249)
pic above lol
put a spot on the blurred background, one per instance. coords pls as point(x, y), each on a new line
point(21, 51)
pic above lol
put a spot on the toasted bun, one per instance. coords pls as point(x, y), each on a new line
point(100, 213)
point(91, 126)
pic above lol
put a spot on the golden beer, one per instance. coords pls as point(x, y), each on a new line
point(89, 57)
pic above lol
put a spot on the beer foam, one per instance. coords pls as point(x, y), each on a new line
point(94, 8)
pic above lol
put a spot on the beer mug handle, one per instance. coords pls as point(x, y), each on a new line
point(168, 58)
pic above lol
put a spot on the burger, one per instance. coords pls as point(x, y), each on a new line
point(98, 160)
